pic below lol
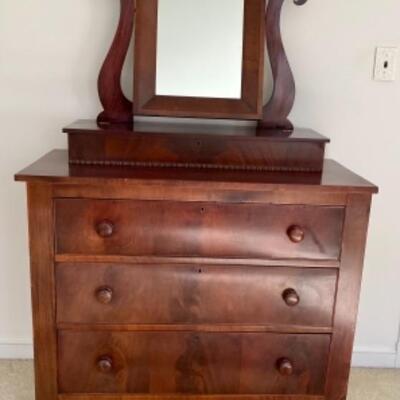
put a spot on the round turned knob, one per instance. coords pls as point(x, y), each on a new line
point(285, 367)
point(296, 234)
point(105, 229)
point(104, 295)
point(291, 297)
point(105, 364)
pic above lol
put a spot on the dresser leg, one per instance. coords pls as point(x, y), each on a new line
point(40, 205)
point(347, 297)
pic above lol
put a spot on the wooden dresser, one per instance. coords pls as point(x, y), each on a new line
point(193, 284)
point(176, 259)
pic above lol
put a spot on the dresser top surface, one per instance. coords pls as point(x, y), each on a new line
point(55, 168)
point(156, 127)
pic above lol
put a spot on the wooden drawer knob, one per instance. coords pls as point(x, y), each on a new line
point(105, 229)
point(105, 364)
point(104, 295)
point(296, 234)
point(285, 367)
point(291, 297)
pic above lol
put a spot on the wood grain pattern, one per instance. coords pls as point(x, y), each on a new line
point(41, 240)
point(276, 111)
point(157, 260)
point(184, 127)
point(175, 345)
point(117, 108)
point(182, 397)
point(195, 145)
point(192, 192)
point(192, 363)
point(221, 328)
point(197, 229)
point(131, 149)
point(348, 292)
point(334, 179)
point(146, 102)
point(188, 294)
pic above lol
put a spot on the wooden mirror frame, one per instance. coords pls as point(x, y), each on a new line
point(147, 102)
point(118, 109)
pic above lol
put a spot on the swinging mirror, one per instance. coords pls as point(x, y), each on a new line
point(199, 58)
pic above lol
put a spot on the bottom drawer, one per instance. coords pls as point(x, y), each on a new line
point(192, 363)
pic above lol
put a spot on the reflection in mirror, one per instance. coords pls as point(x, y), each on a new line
point(200, 48)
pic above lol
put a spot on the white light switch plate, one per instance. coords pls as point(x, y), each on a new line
point(385, 63)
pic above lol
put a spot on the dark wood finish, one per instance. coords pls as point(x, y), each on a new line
point(296, 234)
point(268, 326)
point(187, 127)
point(117, 108)
point(348, 292)
point(237, 186)
point(104, 295)
point(285, 367)
point(276, 111)
point(189, 397)
point(192, 363)
point(160, 260)
point(197, 229)
point(220, 328)
point(189, 145)
point(105, 229)
point(41, 241)
point(105, 364)
point(153, 278)
point(291, 297)
point(188, 294)
point(146, 102)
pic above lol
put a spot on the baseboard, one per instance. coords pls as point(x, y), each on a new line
point(370, 357)
point(362, 356)
point(12, 349)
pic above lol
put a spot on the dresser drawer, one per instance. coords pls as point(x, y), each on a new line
point(189, 294)
point(196, 363)
point(125, 227)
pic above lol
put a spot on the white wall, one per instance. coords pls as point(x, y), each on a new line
point(50, 52)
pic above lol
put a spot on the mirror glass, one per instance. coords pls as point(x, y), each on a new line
point(200, 48)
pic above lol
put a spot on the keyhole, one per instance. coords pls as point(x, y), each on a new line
point(386, 64)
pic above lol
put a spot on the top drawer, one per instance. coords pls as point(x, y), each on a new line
point(165, 228)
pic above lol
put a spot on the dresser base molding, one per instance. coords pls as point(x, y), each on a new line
point(185, 397)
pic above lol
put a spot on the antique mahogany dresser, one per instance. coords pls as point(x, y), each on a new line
point(189, 259)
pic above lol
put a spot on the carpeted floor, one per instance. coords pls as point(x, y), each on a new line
point(16, 382)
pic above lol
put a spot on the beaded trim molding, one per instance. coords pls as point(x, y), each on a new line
point(155, 164)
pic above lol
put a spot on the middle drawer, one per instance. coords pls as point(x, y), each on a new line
point(189, 294)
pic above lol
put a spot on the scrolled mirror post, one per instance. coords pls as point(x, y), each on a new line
point(277, 110)
point(117, 108)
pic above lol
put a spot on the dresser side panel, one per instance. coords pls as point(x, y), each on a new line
point(41, 239)
point(347, 296)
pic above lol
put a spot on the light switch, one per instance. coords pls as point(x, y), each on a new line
point(385, 63)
